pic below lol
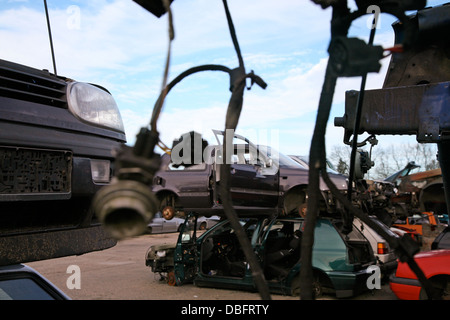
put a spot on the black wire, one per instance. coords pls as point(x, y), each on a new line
point(233, 34)
point(348, 219)
point(158, 105)
point(317, 165)
point(232, 118)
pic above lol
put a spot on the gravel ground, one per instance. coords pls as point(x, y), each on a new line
point(119, 273)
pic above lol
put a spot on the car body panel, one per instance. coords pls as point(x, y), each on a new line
point(386, 261)
point(205, 223)
point(431, 262)
point(161, 225)
point(434, 263)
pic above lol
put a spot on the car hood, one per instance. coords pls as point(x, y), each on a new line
point(290, 176)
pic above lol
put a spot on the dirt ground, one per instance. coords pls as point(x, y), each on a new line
point(119, 273)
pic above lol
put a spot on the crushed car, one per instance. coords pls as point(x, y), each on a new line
point(215, 258)
point(418, 192)
point(372, 196)
point(262, 181)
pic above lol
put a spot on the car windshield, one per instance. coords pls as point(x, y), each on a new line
point(279, 158)
point(330, 167)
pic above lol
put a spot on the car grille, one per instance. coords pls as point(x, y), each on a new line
point(28, 172)
point(24, 83)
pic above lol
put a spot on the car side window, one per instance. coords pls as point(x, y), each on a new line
point(445, 240)
point(22, 289)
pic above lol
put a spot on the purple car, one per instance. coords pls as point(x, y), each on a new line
point(263, 181)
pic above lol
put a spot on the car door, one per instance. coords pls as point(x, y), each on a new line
point(185, 254)
point(253, 183)
point(254, 179)
point(190, 184)
point(169, 225)
point(157, 223)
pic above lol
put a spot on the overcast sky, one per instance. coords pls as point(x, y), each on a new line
point(121, 46)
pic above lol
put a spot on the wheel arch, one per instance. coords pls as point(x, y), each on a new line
point(166, 197)
point(294, 197)
point(318, 274)
point(432, 196)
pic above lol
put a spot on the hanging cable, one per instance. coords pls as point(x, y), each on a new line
point(231, 121)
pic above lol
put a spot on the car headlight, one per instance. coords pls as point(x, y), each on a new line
point(94, 105)
point(160, 254)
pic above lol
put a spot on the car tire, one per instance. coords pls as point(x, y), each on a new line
point(317, 287)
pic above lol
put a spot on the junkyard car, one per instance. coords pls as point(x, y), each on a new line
point(416, 222)
point(215, 258)
point(304, 161)
point(262, 181)
point(21, 282)
point(204, 223)
point(161, 225)
point(56, 141)
point(384, 255)
point(435, 264)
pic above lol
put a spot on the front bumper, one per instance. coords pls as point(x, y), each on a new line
point(349, 284)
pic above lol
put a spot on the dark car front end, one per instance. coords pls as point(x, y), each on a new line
point(57, 138)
